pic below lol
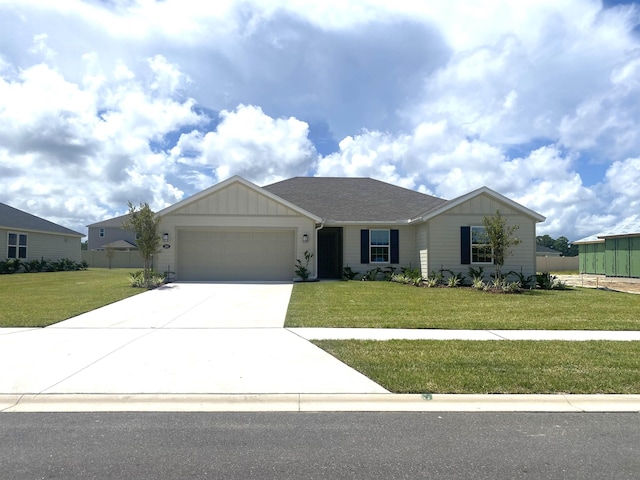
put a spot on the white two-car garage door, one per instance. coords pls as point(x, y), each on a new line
point(235, 255)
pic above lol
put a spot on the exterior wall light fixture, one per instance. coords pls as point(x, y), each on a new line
point(305, 238)
point(165, 237)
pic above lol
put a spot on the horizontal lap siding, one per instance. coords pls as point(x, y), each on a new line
point(444, 237)
point(407, 247)
point(47, 246)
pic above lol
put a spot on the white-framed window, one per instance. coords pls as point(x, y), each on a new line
point(379, 244)
point(481, 251)
point(17, 245)
point(101, 232)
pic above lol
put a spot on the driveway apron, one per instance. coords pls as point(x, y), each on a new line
point(180, 338)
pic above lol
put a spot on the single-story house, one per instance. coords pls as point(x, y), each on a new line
point(28, 237)
point(109, 233)
point(614, 253)
point(544, 251)
point(236, 230)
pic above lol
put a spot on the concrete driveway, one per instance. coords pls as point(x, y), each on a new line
point(183, 338)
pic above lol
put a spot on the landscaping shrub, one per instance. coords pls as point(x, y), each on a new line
point(302, 270)
point(155, 279)
point(546, 281)
point(348, 273)
point(10, 266)
point(15, 265)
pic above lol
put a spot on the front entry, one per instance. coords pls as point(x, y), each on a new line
point(330, 252)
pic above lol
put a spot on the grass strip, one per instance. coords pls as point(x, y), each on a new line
point(484, 367)
point(41, 299)
point(391, 305)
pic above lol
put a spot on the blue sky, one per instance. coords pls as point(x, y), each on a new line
point(102, 102)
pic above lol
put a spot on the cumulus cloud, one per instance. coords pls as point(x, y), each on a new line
point(79, 151)
point(102, 102)
point(249, 143)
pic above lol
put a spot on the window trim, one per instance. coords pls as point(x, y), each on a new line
point(20, 248)
point(387, 246)
point(478, 245)
point(101, 232)
point(394, 247)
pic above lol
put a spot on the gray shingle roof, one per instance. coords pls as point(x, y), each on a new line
point(354, 199)
point(12, 218)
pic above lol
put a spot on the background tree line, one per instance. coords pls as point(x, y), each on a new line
point(561, 244)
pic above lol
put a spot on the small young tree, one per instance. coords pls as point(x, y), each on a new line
point(500, 238)
point(144, 223)
point(110, 252)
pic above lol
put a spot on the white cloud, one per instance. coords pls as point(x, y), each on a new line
point(521, 96)
point(249, 143)
point(75, 151)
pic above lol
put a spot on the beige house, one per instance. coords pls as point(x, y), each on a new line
point(27, 237)
point(238, 231)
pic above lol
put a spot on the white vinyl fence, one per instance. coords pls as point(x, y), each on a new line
point(98, 259)
point(557, 264)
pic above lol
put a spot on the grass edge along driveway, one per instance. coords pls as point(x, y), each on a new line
point(41, 299)
point(499, 367)
point(391, 305)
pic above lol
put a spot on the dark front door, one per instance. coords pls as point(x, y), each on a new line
point(330, 252)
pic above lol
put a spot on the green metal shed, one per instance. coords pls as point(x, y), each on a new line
point(591, 256)
point(615, 253)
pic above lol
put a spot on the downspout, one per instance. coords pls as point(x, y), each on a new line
point(315, 255)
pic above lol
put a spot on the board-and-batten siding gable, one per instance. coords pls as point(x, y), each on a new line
point(481, 205)
point(236, 199)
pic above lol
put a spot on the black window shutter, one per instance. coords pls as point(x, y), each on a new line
point(395, 246)
point(364, 246)
point(465, 245)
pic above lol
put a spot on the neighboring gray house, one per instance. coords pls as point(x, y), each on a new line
point(236, 230)
point(109, 233)
point(28, 237)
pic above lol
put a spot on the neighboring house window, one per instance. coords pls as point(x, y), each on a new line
point(379, 246)
point(101, 232)
point(17, 245)
point(474, 247)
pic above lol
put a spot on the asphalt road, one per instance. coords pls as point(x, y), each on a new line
point(319, 446)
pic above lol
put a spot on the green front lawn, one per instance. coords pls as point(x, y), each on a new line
point(41, 299)
point(433, 366)
point(391, 305)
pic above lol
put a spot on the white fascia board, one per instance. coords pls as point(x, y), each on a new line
point(367, 222)
point(468, 196)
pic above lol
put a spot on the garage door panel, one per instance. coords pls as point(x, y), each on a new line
point(235, 255)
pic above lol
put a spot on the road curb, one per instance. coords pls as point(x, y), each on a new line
point(310, 402)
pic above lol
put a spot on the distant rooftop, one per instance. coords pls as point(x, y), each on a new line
point(631, 226)
point(12, 218)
